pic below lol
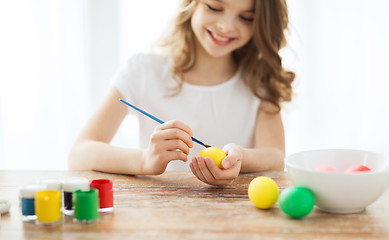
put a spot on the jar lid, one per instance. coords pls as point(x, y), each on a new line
point(75, 183)
point(5, 205)
point(51, 183)
point(29, 190)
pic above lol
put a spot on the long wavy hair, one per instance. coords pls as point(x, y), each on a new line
point(259, 59)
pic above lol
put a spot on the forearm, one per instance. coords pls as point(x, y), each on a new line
point(99, 156)
point(262, 159)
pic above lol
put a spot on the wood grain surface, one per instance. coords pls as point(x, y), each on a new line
point(175, 205)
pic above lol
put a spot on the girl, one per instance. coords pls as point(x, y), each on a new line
point(220, 80)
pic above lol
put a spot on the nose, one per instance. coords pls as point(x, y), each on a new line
point(225, 24)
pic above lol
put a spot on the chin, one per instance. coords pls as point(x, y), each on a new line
point(219, 54)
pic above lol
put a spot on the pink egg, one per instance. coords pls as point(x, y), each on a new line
point(325, 168)
point(357, 168)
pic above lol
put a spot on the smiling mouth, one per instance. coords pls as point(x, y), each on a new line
point(220, 39)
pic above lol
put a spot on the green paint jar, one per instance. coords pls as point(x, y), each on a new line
point(86, 206)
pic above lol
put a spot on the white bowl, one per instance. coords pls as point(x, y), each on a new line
point(339, 192)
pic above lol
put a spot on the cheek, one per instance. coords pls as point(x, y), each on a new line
point(246, 32)
point(196, 21)
point(201, 18)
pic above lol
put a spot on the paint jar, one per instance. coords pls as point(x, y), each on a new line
point(27, 200)
point(5, 205)
point(86, 206)
point(105, 194)
point(48, 207)
point(69, 186)
point(51, 183)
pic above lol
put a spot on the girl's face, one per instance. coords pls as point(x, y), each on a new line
point(222, 26)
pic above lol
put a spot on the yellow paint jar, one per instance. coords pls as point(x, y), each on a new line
point(48, 207)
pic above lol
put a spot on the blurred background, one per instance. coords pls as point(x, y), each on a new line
point(57, 58)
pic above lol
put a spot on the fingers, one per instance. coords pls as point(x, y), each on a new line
point(171, 136)
point(207, 171)
point(177, 124)
point(175, 155)
point(204, 169)
point(225, 174)
point(196, 170)
point(174, 145)
point(177, 130)
point(169, 141)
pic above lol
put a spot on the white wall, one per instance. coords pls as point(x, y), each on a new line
point(40, 81)
point(1, 141)
point(57, 58)
point(341, 51)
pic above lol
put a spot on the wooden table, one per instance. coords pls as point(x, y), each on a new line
point(176, 205)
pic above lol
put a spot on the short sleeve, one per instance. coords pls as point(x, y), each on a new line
point(127, 78)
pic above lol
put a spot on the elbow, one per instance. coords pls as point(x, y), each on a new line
point(279, 164)
point(76, 160)
point(72, 161)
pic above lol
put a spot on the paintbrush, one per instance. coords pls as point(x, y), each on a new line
point(159, 120)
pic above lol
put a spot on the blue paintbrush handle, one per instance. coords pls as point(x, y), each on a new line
point(157, 119)
point(143, 112)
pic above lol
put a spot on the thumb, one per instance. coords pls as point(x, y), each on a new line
point(227, 162)
point(233, 155)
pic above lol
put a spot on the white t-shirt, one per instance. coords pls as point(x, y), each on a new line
point(218, 115)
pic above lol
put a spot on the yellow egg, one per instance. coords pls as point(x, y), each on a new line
point(216, 154)
point(263, 192)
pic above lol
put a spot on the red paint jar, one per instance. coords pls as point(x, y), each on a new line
point(105, 194)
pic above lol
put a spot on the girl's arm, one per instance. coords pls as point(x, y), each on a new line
point(92, 149)
point(269, 151)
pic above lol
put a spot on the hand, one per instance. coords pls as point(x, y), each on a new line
point(169, 141)
point(206, 170)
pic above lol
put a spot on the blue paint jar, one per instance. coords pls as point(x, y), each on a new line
point(27, 200)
